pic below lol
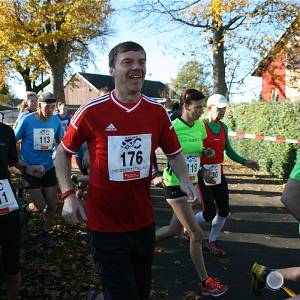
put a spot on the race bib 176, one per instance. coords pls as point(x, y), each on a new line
point(129, 157)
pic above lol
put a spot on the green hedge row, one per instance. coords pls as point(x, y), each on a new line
point(271, 119)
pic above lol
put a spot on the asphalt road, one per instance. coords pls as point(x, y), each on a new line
point(258, 229)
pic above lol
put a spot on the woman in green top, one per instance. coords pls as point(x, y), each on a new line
point(190, 132)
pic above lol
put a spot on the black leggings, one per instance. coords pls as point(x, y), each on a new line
point(214, 197)
point(10, 237)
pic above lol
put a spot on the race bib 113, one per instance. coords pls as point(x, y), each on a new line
point(43, 138)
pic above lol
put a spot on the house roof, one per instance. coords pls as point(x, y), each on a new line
point(276, 48)
point(150, 88)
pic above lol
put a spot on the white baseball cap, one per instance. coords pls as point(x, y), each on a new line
point(218, 100)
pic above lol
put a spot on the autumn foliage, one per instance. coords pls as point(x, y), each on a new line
point(50, 34)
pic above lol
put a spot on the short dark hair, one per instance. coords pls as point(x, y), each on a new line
point(121, 48)
point(190, 95)
point(30, 94)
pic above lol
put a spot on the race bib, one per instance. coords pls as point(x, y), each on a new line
point(8, 200)
point(129, 157)
point(215, 173)
point(43, 138)
point(193, 164)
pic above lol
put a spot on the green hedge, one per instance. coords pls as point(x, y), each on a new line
point(271, 119)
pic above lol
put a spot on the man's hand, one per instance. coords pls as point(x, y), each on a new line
point(72, 210)
point(158, 181)
point(191, 192)
point(252, 164)
point(179, 167)
point(35, 170)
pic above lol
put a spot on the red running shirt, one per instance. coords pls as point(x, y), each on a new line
point(216, 142)
point(121, 142)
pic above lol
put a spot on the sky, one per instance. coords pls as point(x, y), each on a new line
point(163, 62)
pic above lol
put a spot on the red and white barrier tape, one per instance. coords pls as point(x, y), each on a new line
point(263, 138)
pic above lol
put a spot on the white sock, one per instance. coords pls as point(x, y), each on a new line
point(199, 217)
point(217, 225)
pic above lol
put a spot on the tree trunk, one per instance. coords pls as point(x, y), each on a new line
point(57, 70)
point(56, 59)
point(29, 84)
point(219, 83)
point(41, 86)
point(25, 73)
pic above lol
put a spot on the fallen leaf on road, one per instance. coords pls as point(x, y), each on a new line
point(190, 296)
point(159, 293)
point(177, 262)
point(224, 262)
point(158, 250)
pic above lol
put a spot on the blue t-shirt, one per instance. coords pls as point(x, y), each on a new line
point(64, 121)
point(38, 137)
point(79, 154)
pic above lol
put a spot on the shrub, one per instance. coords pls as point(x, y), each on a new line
point(267, 119)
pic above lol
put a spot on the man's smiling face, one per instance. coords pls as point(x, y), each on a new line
point(129, 71)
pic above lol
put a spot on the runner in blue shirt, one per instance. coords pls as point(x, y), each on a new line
point(39, 131)
point(63, 115)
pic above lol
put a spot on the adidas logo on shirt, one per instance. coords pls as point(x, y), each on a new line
point(111, 127)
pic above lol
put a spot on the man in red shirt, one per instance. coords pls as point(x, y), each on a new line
point(122, 130)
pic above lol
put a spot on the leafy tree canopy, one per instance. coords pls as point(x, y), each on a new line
point(52, 32)
point(229, 35)
point(191, 75)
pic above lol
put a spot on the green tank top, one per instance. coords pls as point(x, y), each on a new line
point(191, 140)
point(295, 174)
